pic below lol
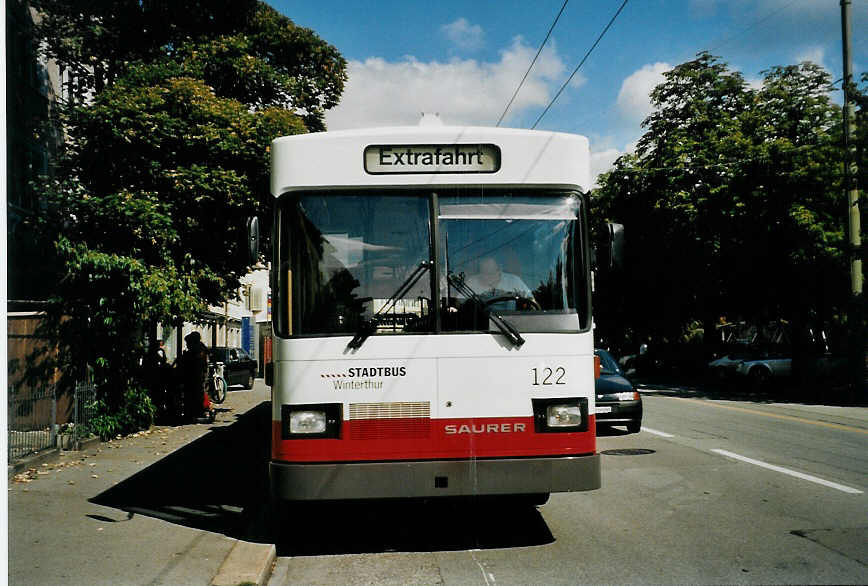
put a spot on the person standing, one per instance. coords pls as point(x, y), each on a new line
point(157, 377)
point(193, 366)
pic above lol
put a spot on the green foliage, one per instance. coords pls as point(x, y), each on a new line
point(150, 201)
point(242, 49)
point(733, 203)
point(165, 159)
point(135, 413)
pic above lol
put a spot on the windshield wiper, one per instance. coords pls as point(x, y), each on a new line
point(504, 326)
point(369, 327)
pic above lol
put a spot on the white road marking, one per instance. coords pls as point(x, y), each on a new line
point(656, 432)
point(789, 472)
point(486, 575)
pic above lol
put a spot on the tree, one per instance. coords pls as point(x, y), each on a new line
point(674, 196)
point(794, 181)
point(150, 207)
point(732, 203)
point(163, 162)
point(244, 49)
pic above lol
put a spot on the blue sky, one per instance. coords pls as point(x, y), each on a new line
point(465, 59)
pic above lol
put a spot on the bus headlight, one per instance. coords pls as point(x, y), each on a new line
point(311, 421)
point(563, 416)
point(307, 422)
point(560, 415)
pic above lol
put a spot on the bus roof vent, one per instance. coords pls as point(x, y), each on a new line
point(430, 119)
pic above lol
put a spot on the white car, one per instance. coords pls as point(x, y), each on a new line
point(761, 370)
point(726, 366)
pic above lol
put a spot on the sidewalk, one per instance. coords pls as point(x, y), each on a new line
point(166, 506)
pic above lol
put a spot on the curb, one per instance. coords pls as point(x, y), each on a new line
point(247, 563)
point(47, 455)
point(88, 443)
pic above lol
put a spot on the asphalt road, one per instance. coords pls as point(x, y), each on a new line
point(710, 492)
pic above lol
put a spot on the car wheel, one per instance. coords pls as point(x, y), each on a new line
point(248, 382)
point(634, 426)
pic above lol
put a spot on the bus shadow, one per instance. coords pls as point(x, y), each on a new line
point(408, 526)
point(212, 483)
point(219, 483)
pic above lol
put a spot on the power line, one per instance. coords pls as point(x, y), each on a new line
point(727, 40)
point(521, 83)
point(579, 66)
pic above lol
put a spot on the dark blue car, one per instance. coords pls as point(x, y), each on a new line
point(238, 366)
point(618, 403)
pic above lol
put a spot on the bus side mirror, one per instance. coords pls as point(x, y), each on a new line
point(253, 239)
point(615, 242)
point(608, 251)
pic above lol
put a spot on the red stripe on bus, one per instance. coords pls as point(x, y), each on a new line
point(433, 439)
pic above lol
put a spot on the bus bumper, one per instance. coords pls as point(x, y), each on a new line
point(422, 479)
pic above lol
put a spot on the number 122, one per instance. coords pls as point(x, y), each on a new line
point(549, 376)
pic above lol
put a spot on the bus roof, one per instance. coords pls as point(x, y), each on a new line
point(429, 155)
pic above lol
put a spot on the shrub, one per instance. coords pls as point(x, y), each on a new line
point(135, 413)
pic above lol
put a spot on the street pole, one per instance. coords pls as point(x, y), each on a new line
point(856, 317)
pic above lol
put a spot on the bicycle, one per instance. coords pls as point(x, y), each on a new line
point(216, 383)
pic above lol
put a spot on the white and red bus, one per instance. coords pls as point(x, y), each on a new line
point(432, 314)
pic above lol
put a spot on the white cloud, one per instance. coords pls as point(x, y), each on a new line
point(462, 91)
point(812, 54)
point(602, 161)
point(633, 101)
point(754, 83)
point(464, 35)
point(605, 151)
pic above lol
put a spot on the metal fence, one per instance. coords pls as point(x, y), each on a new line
point(84, 410)
point(31, 422)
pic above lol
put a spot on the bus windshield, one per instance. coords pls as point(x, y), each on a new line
point(352, 261)
point(513, 252)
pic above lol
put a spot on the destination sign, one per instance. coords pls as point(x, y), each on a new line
point(432, 158)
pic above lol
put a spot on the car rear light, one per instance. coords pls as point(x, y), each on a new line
point(628, 396)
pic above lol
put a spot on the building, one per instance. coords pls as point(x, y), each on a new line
point(244, 322)
point(32, 140)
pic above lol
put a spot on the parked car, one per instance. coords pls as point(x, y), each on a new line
point(666, 359)
point(618, 403)
point(761, 370)
point(726, 367)
point(238, 367)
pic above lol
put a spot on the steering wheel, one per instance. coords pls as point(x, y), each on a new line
point(530, 300)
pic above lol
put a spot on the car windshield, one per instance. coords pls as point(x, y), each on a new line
point(607, 363)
